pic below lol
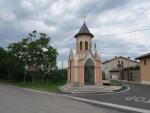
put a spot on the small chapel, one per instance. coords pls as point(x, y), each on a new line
point(84, 67)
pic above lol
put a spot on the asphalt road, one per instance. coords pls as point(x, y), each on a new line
point(138, 96)
point(19, 100)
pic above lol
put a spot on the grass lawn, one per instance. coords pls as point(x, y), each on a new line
point(37, 85)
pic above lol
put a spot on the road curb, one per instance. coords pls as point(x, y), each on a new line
point(44, 92)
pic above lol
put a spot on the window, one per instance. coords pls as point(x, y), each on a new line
point(122, 64)
point(86, 45)
point(145, 61)
point(80, 45)
point(118, 65)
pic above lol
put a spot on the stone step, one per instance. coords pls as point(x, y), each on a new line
point(73, 91)
point(89, 89)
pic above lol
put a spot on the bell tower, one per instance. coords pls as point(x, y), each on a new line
point(83, 40)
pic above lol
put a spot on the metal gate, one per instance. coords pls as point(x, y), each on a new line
point(89, 73)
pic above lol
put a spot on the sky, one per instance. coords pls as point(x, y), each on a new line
point(120, 27)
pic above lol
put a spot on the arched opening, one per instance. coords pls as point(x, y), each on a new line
point(80, 45)
point(89, 73)
point(86, 45)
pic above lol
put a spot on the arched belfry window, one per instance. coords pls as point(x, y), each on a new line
point(80, 45)
point(86, 45)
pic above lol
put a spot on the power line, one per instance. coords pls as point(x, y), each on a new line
point(129, 32)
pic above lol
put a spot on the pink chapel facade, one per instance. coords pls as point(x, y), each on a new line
point(84, 68)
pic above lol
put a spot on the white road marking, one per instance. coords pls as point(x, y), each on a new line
point(43, 92)
point(138, 99)
point(130, 98)
point(147, 102)
point(111, 105)
point(128, 88)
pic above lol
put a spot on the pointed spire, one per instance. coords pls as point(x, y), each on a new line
point(71, 54)
point(84, 31)
point(97, 55)
point(95, 47)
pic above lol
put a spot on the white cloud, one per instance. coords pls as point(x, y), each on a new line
point(61, 20)
point(7, 17)
point(27, 5)
point(39, 25)
point(63, 50)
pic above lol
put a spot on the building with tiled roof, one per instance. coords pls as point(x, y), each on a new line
point(145, 68)
point(112, 68)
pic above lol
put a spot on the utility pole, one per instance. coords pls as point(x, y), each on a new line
point(128, 69)
point(61, 70)
point(62, 65)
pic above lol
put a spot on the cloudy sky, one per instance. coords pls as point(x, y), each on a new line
point(120, 27)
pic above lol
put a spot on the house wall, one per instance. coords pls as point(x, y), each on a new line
point(132, 75)
point(115, 75)
point(114, 64)
point(145, 70)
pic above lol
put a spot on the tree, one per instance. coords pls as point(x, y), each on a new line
point(38, 52)
point(9, 68)
point(3, 54)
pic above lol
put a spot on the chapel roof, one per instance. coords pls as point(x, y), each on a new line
point(84, 31)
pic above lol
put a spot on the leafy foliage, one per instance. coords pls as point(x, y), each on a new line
point(35, 51)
